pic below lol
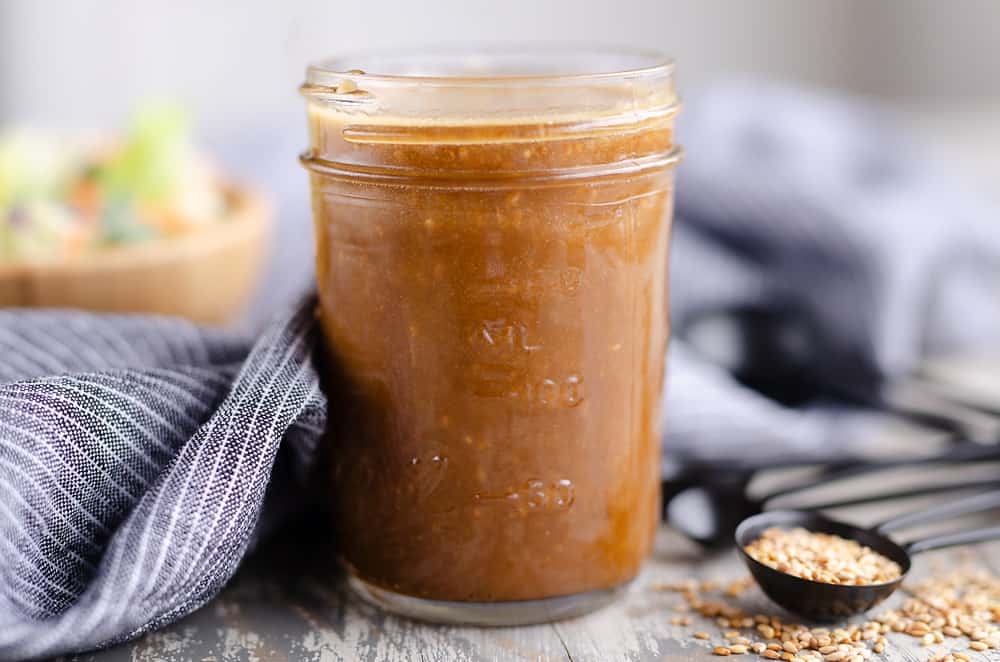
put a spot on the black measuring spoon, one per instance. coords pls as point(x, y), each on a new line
point(819, 601)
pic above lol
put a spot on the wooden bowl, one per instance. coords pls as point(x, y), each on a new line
point(207, 275)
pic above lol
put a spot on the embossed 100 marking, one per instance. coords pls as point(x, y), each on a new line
point(566, 392)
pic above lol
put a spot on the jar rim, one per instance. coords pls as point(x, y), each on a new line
point(491, 64)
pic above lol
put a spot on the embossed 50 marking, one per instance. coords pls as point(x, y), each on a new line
point(536, 496)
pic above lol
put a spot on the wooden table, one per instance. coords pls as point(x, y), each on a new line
point(285, 605)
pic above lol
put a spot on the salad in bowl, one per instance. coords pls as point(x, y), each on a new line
point(61, 198)
point(140, 222)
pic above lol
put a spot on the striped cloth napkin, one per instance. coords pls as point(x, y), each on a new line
point(135, 452)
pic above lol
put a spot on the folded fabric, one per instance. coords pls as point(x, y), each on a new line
point(134, 457)
point(811, 205)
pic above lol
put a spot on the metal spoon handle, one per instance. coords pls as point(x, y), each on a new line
point(906, 494)
point(916, 399)
point(952, 539)
point(961, 452)
point(972, 504)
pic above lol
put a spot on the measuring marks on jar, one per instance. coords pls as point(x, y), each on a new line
point(534, 496)
point(503, 334)
point(508, 361)
point(495, 380)
point(565, 392)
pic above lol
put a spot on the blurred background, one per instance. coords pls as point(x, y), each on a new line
point(237, 65)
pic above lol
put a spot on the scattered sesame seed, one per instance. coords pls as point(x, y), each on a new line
point(962, 603)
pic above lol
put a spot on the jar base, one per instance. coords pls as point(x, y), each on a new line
point(494, 614)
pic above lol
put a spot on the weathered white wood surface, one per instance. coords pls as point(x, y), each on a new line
point(284, 605)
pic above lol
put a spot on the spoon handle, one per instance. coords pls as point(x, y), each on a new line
point(919, 401)
point(972, 504)
point(967, 486)
point(952, 539)
point(961, 452)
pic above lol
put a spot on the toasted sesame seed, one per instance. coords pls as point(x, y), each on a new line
point(822, 557)
point(721, 650)
point(954, 604)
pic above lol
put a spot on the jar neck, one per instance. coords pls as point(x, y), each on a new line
point(508, 125)
point(527, 150)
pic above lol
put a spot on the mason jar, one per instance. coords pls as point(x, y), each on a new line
point(491, 260)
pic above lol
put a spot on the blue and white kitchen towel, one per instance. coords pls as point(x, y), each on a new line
point(136, 452)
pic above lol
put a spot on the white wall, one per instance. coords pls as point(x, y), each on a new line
point(85, 62)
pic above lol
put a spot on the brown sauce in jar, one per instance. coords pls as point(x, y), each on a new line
point(493, 301)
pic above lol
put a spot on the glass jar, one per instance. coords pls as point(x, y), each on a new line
point(491, 234)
